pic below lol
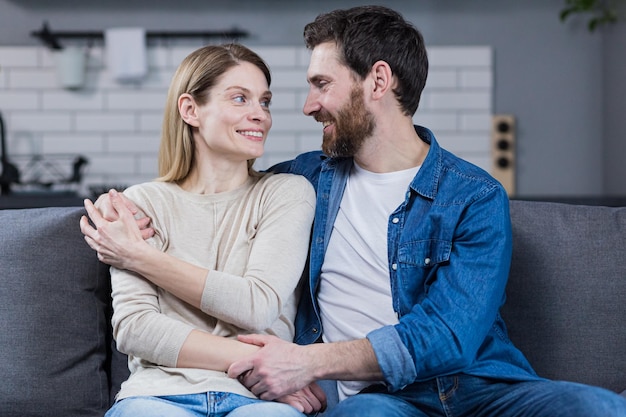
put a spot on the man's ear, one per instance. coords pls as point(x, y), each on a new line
point(382, 78)
point(188, 109)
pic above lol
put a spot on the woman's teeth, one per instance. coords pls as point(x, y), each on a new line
point(251, 133)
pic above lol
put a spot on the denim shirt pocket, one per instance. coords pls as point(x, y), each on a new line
point(424, 253)
point(418, 264)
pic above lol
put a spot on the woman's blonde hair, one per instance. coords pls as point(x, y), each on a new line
point(196, 75)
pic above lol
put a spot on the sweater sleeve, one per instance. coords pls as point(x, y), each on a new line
point(140, 327)
point(277, 256)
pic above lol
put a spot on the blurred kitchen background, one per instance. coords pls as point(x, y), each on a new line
point(538, 101)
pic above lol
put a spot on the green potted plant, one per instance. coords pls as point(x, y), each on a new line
point(599, 12)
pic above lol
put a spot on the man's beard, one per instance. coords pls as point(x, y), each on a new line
point(352, 126)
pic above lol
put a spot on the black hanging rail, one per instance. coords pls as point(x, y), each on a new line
point(51, 39)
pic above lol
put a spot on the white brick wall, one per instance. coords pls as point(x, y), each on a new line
point(116, 126)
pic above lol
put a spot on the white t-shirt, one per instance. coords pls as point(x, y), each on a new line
point(355, 292)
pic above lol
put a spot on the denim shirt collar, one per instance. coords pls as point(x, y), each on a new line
point(426, 180)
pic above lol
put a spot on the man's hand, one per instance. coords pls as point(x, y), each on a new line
point(114, 240)
point(279, 368)
point(310, 399)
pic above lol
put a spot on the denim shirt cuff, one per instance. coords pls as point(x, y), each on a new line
point(393, 357)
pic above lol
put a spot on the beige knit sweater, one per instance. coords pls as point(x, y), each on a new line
point(254, 241)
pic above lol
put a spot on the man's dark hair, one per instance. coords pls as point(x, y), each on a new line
point(367, 34)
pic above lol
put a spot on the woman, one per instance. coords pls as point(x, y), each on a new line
point(228, 249)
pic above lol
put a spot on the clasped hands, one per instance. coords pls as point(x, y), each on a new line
point(119, 227)
point(276, 372)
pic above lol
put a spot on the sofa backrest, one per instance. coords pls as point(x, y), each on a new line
point(565, 305)
point(566, 296)
point(56, 350)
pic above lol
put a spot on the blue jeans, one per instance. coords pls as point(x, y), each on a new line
point(209, 404)
point(466, 396)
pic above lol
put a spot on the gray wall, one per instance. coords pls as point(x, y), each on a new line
point(614, 110)
point(565, 86)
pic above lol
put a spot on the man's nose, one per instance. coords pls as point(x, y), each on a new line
point(311, 104)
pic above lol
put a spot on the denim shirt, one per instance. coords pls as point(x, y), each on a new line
point(449, 251)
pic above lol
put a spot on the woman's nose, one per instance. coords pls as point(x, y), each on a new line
point(260, 112)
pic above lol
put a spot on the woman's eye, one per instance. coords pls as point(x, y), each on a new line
point(240, 99)
point(266, 103)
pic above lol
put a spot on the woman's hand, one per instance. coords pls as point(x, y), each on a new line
point(310, 399)
point(118, 240)
point(104, 205)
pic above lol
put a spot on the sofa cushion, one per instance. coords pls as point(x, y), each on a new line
point(55, 347)
point(566, 294)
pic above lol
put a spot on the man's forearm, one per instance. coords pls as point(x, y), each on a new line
point(349, 361)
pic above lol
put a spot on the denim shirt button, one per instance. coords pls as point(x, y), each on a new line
point(427, 261)
point(394, 266)
point(395, 220)
point(314, 330)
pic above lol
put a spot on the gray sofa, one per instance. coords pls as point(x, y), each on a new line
point(566, 305)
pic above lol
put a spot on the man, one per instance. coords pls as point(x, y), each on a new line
point(410, 252)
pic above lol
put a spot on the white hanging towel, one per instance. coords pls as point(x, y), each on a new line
point(126, 53)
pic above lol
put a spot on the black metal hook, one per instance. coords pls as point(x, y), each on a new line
point(47, 37)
